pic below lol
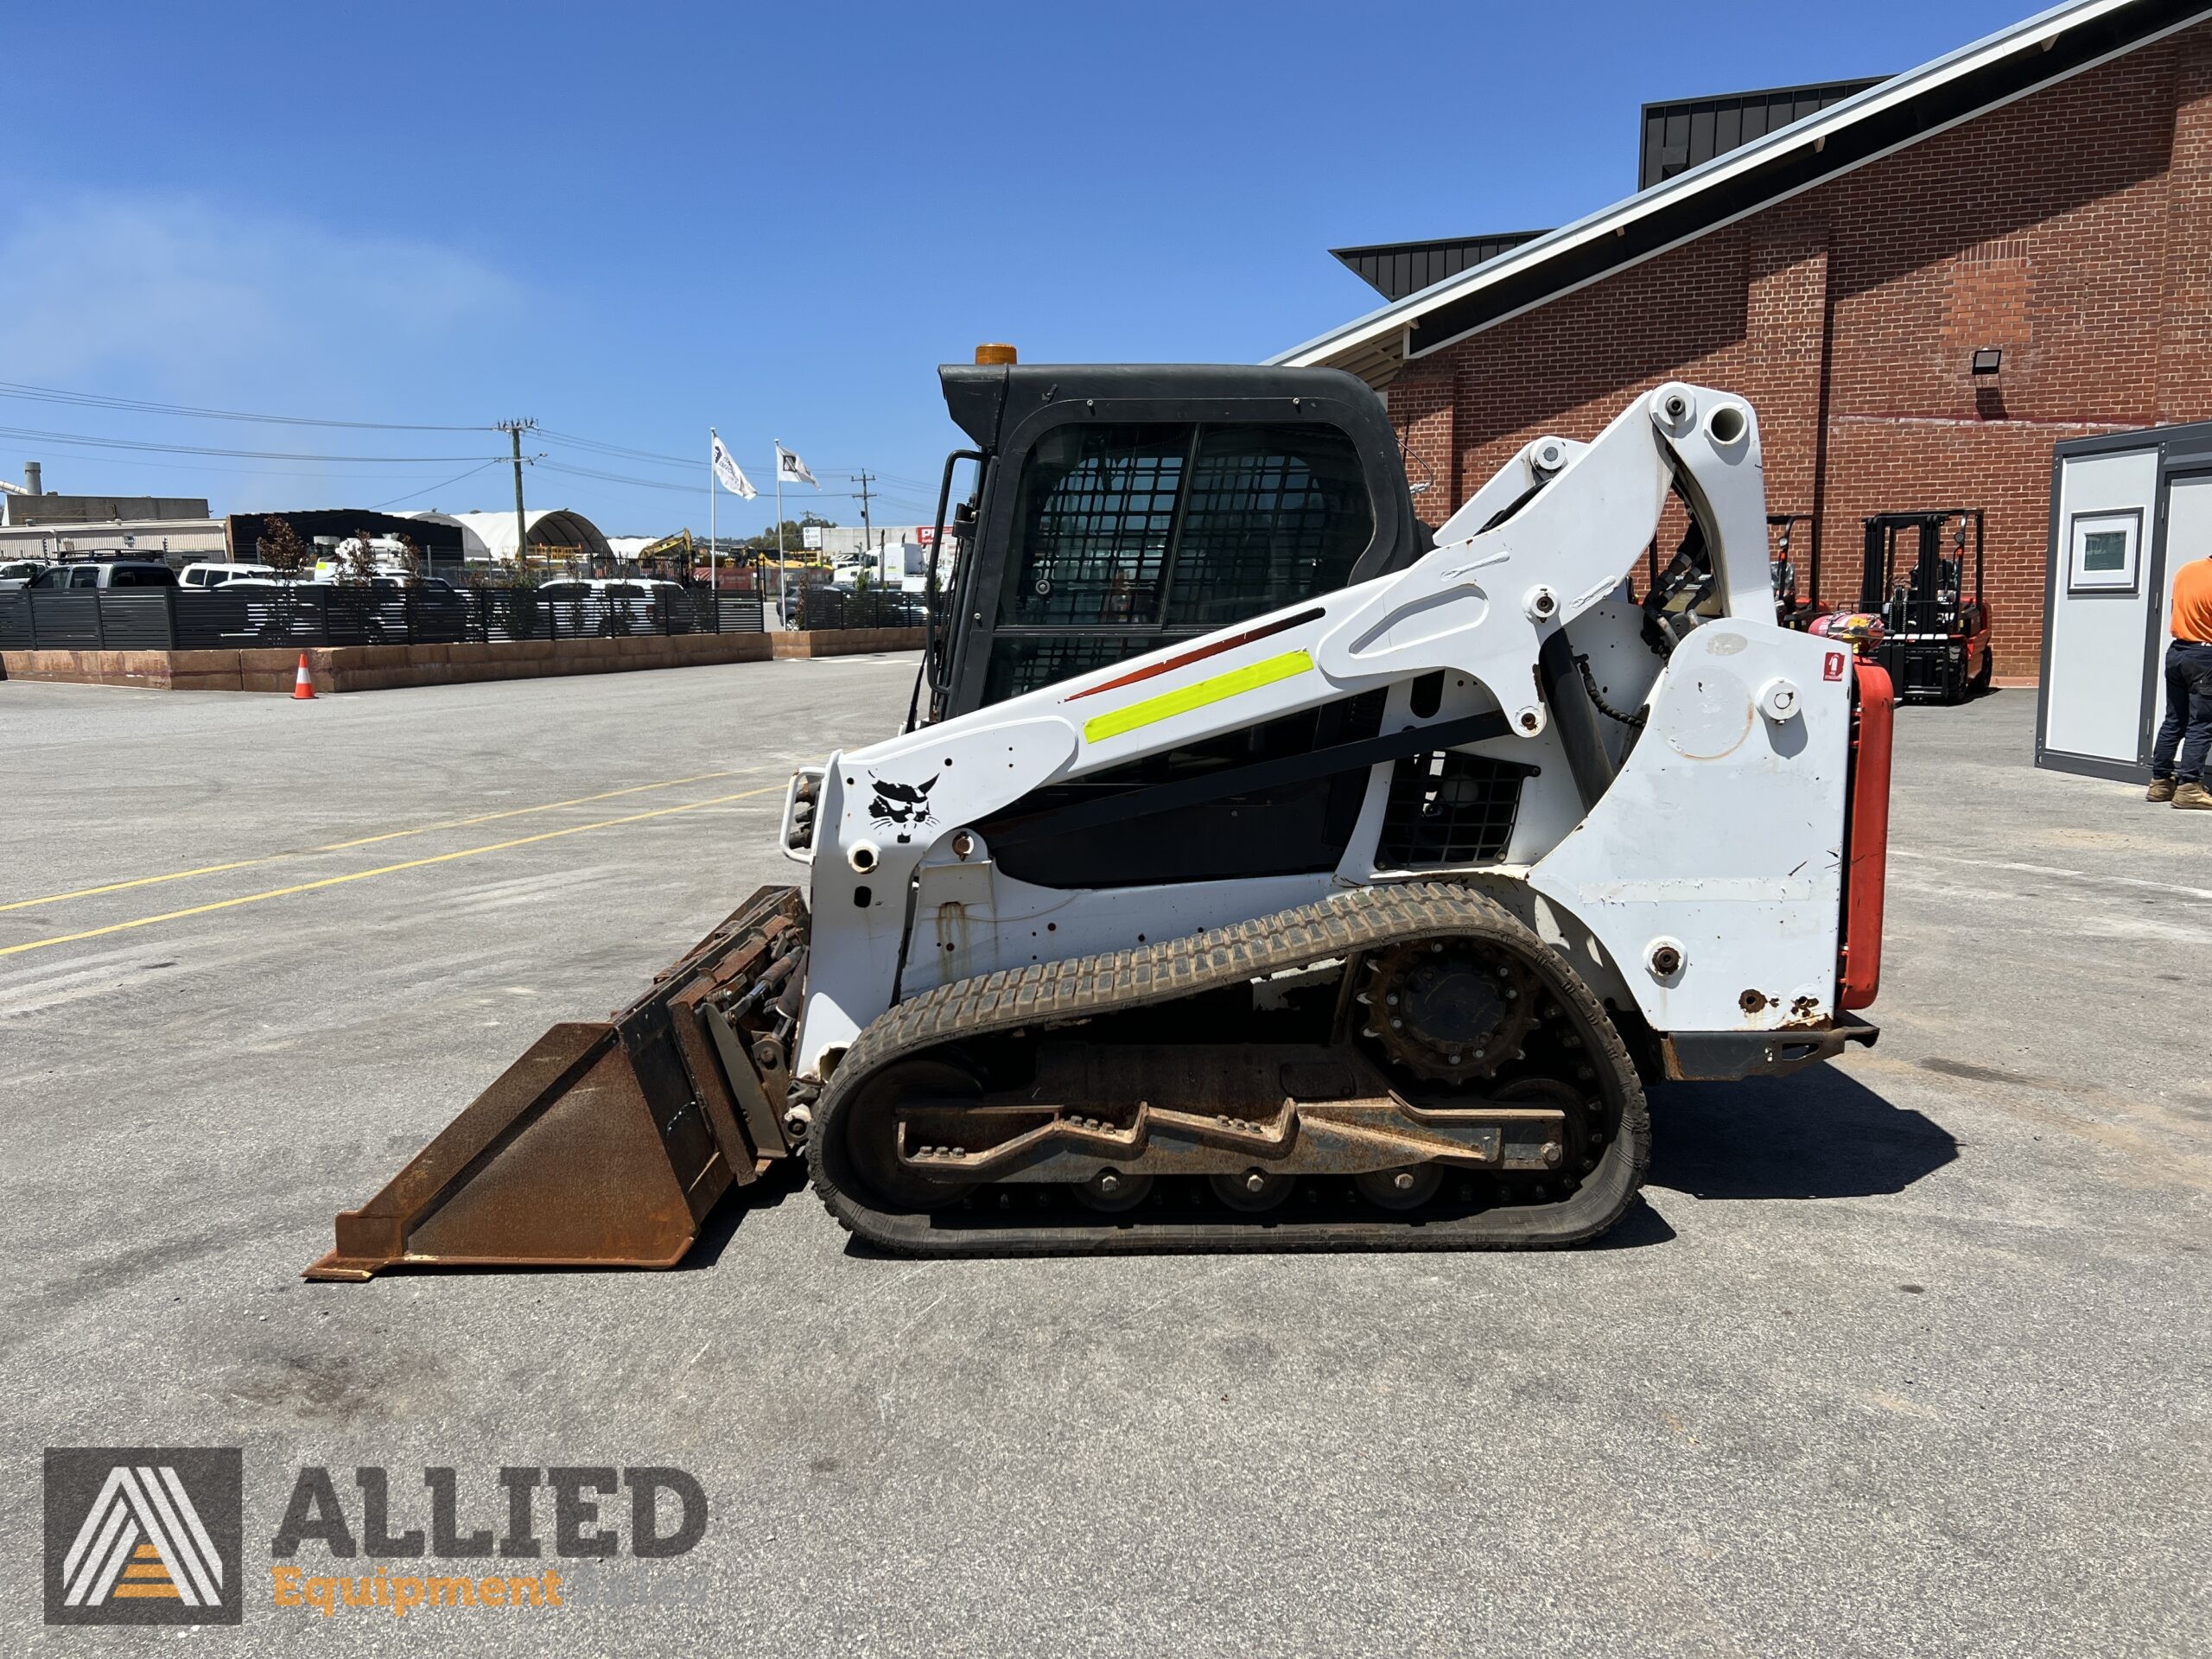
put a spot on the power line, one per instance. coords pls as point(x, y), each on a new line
point(619, 478)
point(661, 484)
point(866, 493)
point(200, 449)
point(138, 406)
point(658, 459)
point(419, 494)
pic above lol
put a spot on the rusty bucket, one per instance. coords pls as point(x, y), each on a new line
point(610, 1142)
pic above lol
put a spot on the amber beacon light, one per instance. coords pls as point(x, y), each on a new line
point(996, 353)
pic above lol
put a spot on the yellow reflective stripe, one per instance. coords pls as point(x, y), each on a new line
point(1168, 704)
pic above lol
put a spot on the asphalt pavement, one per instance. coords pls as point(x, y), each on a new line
point(1905, 1355)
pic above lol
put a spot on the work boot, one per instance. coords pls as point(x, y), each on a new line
point(2162, 789)
point(2193, 796)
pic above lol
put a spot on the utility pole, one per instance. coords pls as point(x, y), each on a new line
point(514, 430)
point(865, 478)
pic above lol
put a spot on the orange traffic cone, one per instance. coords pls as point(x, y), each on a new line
point(303, 684)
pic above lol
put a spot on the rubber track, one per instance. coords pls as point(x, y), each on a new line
point(1086, 987)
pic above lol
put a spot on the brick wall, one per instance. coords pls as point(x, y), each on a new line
point(2072, 230)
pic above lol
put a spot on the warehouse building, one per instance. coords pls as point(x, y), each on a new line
point(325, 530)
point(1921, 284)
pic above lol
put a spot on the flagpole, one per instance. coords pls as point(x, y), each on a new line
point(783, 570)
point(714, 590)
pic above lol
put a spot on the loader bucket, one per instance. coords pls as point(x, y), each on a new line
point(610, 1142)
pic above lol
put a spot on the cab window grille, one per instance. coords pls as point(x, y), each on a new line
point(1274, 514)
point(1449, 808)
point(1095, 519)
point(1024, 664)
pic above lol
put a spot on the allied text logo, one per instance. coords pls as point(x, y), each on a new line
point(142, 1534)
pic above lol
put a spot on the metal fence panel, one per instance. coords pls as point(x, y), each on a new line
point(743, 615)
point(214, 619)
point(65, 621)
point(315, 613)
point(135, 622)
point(438, 618)
point(16, 621)
point(874, 607)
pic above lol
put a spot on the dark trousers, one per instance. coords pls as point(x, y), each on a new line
point(2187, 727)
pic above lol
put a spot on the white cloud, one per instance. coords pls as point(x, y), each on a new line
point(171, 295)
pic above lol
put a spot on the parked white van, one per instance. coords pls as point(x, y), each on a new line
point(215, 573)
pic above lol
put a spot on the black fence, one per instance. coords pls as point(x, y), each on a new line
point(175, 619)
point(843, 607)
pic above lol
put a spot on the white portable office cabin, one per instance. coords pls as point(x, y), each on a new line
point(2128, 510)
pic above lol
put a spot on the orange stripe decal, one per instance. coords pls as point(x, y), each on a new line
point(1185, 658)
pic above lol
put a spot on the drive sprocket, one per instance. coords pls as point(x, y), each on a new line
point(1448, 1010)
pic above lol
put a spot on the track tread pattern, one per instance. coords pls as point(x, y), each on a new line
point(1085, 986)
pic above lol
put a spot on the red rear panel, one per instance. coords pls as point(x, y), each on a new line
point(1866, 840)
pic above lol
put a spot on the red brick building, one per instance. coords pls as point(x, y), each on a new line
point(2045, 195)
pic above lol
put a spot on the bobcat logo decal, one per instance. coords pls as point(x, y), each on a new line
point(902, 806)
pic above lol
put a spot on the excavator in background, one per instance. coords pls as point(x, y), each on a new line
point(1258, 869)
point(650, 556)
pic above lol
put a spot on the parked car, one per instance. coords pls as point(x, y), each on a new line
point(105, 573)
point(17, 573)
point(215, 572)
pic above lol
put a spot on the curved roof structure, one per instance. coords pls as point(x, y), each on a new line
point(554, 531)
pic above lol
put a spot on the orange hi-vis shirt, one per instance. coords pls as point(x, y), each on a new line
point(2193, 602)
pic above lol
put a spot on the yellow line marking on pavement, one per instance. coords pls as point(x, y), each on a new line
point(386, 870)
point(365, 841)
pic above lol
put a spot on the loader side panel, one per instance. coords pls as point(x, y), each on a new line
point(1712, 872)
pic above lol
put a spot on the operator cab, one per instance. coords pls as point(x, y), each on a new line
point(1114, 510)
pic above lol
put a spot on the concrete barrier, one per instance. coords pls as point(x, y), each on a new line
point(848, 642)
point(376, 668)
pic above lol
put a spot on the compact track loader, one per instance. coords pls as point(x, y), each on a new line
point(1257, 870)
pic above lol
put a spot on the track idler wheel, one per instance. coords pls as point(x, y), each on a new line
point(1400, 1189)
point(1252, 1191)
point(1111, 1192)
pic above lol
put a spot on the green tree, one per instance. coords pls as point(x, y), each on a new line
point(794, 535)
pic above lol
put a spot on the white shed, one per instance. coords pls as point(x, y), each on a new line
point(2126, 510)
point(554, 533)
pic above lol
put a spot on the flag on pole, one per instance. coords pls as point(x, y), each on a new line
point(727, 469)
point(791, 470)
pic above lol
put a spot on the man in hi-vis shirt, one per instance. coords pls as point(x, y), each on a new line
point(2188, 731)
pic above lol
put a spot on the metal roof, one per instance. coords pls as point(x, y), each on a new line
point(1395, 269)
point(491, 535)
point(2041, 51)
point(1680, 132)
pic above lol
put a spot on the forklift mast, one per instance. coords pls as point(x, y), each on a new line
point(1923, 576)
point(1112, 510)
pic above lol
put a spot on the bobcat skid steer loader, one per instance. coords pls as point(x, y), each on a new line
point(1257, 870)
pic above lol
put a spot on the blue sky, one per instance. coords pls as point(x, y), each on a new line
point(631, 222)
